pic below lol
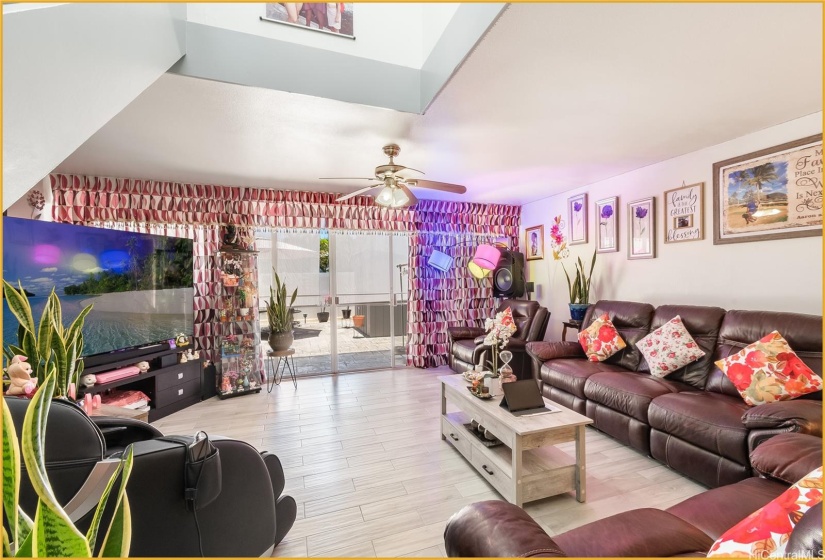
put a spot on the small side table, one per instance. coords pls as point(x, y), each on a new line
point(275, 370)
point(569, 324)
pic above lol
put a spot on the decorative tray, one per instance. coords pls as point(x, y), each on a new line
point(479, 395)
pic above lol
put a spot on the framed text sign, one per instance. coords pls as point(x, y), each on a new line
point(774, 193)
point(684, 213)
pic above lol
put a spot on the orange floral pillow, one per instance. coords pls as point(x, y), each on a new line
point(765, 532)
point(768, 370)
point(601, 340)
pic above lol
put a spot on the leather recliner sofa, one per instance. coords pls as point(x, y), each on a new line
point(693, 420)
point(249, 517)
point(500, 529)
point(467, 343)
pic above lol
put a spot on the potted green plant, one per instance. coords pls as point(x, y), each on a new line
point(279, 314)
point(323, 315)
point(579, 287)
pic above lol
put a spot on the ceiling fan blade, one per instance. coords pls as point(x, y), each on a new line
point(409, 194)
point(402, 167)
point(435, 185)
point(359, 191)
point(350, 178)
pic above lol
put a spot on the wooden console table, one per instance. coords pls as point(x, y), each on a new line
point(527, 466)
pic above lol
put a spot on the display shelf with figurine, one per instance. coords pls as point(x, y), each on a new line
point(240, 332)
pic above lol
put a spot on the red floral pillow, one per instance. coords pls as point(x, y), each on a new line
point(765, 532)
point(768, 370)
point(601, 340)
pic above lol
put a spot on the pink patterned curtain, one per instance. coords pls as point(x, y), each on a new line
point(437, 300)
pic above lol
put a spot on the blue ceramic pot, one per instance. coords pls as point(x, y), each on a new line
point(578, 310)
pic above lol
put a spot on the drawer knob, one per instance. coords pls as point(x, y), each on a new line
point(180, 375)
point(455, 437)
point(180, 392)
point(487, 470)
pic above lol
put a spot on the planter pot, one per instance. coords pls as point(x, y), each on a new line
point(345, 313)
point(280, 341)
point(358, 320)
point(323, 316)
point(578, 310)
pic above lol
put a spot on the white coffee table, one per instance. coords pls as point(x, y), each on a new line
point(527, 466)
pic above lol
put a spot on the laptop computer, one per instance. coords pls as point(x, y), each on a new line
point(523, 398)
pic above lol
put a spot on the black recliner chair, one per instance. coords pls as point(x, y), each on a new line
point(467, 343)
point(249, 517)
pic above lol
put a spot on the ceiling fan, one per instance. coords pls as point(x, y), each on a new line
point(395, 189)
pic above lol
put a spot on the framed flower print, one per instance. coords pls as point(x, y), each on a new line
point(577, 218)
point(641, 229)
point(607, 219)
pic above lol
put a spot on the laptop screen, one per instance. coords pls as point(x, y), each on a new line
point(522, 395)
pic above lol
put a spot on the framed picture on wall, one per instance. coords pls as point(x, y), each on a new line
point(577, 218)
point(607, 219)
point(534, 242)
point(774, 193)
point(328, 17)
point(641, 229)
point(684, 213)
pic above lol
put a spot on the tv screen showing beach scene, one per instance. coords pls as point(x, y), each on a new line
point(140, 285)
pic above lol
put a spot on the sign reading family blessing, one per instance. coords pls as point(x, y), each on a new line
point(683, 213)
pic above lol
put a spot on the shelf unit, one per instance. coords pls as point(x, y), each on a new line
point(240, 331)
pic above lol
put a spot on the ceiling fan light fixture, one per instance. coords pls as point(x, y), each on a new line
point(399, 198)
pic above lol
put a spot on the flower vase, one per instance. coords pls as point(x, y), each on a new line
point(578, 311)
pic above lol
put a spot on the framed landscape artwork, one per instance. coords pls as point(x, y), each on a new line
point(577, 218)
point(684, 213)
point(774, 193)
point(641, 229)
point(607, 218)
point(534, 242)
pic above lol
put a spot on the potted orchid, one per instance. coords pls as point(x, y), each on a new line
point(499, 330)
point(579, 287)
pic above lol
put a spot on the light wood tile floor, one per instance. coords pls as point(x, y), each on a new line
point(363, 458)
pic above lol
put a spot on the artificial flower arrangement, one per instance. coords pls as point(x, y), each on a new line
point(499, 330)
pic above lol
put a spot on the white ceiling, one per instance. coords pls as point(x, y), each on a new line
point(555, 97)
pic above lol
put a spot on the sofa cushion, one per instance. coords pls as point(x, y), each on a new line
point(631, 319)
point(766, 531)
point(570, 375)
point(711, 421)
point(741, 328)
point(463, 350)
point(768, 371)
point(601, 339)
point(669, 348)
point(628, 392)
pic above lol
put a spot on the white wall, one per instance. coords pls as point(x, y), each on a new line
point(68, 69)
point(394, 33)
point(780, 275)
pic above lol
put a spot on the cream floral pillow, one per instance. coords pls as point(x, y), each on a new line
point(768, 370)
point(601, 339)
point(669, 348)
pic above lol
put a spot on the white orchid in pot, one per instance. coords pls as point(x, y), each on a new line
point(579, 287)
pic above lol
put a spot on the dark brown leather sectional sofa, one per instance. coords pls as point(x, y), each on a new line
point(499, 529)
point(694, 420)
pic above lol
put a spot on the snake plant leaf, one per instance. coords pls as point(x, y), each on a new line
point(91, 534)
point(44, 331)
point(76, 328)
point(57, 312)
point(53, 534)
point(119, 536)
point(61, 363)
point(11, 475)
point(6, 544)
point(19, 305)
point(25, 548)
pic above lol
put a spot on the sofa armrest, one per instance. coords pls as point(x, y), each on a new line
point(769, 419)
point(516, 344)
point(788, 457)
point(544, 351)
point(464, 333)
point(496, 529)
point(479, 340)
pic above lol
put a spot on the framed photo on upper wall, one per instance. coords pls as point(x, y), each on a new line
point(607, 219)
point(334, 18)
point(641, 229)
point(534, 242)
point(577, 218)
point(684, 213)
point(774, 193)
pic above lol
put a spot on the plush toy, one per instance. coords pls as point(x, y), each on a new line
point(88, 380)
point(190, 355)
point(21, 381)
point(182, 358)
point(142, 366)
point(181, 340)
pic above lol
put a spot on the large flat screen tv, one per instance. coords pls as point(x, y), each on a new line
point(140, 284)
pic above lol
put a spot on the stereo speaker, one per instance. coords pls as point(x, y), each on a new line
point(508, 277)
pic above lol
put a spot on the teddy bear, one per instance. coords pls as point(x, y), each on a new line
point(88, 380)
point(21, 381)
point(142, 366)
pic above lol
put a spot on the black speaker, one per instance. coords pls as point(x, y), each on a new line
point(508, 277)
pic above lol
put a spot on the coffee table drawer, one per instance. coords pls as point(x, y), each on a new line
point(457, 436)
point(492, 473)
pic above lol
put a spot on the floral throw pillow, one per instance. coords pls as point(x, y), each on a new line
point(669, 348)
point(768, 370)
point(601, 340)
point(765, 532)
